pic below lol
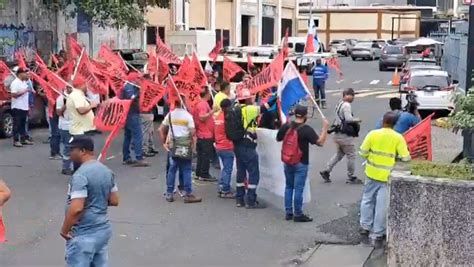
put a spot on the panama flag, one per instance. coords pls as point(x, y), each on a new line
point(312, 43)
point(291, 89)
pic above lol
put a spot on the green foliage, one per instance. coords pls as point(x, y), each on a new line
point(437, 170)
point(114, 13)
point(463, 116)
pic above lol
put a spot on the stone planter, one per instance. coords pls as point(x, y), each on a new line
point(430, 221)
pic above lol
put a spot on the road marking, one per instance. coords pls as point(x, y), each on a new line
point(389, 83)
point(374, 82)
point(357, 82)
point(374, 93)
point(339, 81)
point(389, 95)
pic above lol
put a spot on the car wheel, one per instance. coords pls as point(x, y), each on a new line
point(354, 59)
point(382, 67)
point(6, 125)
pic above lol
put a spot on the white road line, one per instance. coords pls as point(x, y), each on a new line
point(374, 93)
point(389, 95)
point(374, 82)
point(389, 83)
point(339, 81)
point(357, 82)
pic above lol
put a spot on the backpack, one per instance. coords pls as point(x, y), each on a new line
point(291, 153)
point(234, 128)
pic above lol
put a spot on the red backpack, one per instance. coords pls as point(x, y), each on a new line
point(290, 151)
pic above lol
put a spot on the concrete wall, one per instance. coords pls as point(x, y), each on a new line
point(430, 221)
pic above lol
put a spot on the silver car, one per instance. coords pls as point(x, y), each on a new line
point(366, 50)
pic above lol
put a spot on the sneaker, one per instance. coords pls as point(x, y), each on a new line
point(240, 203)
point(354, 180)
point(56, 157)
point(289, 217)
point(364, 232)
point(169, 197)
point(154, 151)
point(129, 162)
point(67, 172)
point(208, 179)
point(188, 199)
point(17, 144)
point(325, 175)
point(256, 205)
point(228, 195)
point(141, 163)
point(27, 142)
point(302, 218)
point(148, 154)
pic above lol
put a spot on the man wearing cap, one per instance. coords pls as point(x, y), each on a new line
point(246, 153)
point(79, 110)
point(296, 174)
point(346, 128)
point(20, 107)
point(91, 190)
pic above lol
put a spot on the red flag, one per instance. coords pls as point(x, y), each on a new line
point(164, 52)
point(285, 48)
point(309, 47)
point(4, 73)
point(199, 75)
point(53, 79)
point(163, 70)
point(3, 238)
point(418, 140)
point(268, 77)
point(66, 70)
point(39, 60)
point(112, 58)
point(20, 59)
point(48, 90)
point(230, 69)
point(250, 64)
point(215, 51)
point(54, 59)
point(111, 116)
point(96, 81)
point(152, 66)
point(334, 64)
point(190, 80)
point(150, 94)
point(172, 93)
point(75, 49)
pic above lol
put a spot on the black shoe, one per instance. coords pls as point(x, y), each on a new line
point(354, 180)
point(207, 179)
point(240, 203)
point(148, 154)
point(302, 218)
point(67, 172)
point(129, 162)
point(256, 205)
point(289, 217)
point(364, 232)
point(325, 175)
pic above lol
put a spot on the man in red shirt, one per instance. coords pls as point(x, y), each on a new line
point(225, 151)
point(204, 122)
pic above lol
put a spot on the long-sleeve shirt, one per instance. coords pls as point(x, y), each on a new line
point(320, 74)
point(344, 111)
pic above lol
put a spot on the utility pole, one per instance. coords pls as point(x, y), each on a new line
point(470, 50)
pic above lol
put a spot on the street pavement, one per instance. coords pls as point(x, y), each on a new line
point(148, 231)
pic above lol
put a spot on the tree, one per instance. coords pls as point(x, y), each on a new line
point(114, 13)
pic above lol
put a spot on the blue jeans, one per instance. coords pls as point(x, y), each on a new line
point(65, 137)
point(373, 207)
point(319, 90)
point(133, 133)
point(227, 157)
point(55, 141)
point(295, 180)
point(88, 249)
point(185, 169)
point(180, 174)
point(247, 162)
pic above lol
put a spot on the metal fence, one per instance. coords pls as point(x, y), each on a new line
point(455, 57)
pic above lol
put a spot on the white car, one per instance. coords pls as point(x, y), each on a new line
point(433, 90)
point(366, 50)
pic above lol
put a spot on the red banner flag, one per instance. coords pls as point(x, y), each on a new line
point(75, 49)
point(112, 58)
point(163, 70)
point(53, 79)
point(50, 92)
point(190, 80)
point(150, 94)
point(4, 73)
point(152, 66)
point(111, 116)
point(418, 140)
point(333, 63)
point(268, 77)
point(215, 51)
point(3, 237)
point(230, 69)
point(96, 81)
point(199, 75)
point(20, 59)
point(66, 70)
point(163, 51)
point(250, 64)
point(39, 60)
point(172, 93)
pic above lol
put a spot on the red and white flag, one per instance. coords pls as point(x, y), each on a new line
point(311, 37)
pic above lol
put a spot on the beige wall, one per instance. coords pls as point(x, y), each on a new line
point(288, 3)
point(198, 14)
point(287, 13)
point(355, 21)
point(159, 17)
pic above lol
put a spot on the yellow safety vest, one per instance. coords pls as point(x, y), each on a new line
point(381, 148)
point(249, 116)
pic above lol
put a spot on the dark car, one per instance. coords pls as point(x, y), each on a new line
point(392, 57)
point(134, 57)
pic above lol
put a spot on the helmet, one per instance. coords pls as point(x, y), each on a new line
point(244, 93)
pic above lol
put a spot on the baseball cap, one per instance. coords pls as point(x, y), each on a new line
point(348, 91)
point(85, 143)
point(301, 111)
point(22, 70)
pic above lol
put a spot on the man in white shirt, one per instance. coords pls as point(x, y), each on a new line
point(64, 125)
point(20, 107)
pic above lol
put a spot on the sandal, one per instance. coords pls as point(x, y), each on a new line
point(227, 195)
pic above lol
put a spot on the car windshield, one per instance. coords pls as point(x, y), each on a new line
point(421, 63)
point(364, 45)
point(421, 82)
point(393, 50)
point(299, 48)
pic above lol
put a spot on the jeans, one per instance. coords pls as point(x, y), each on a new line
point(247, 162)
point(227, 158)
point(19, 124)
point(205, 153)
point(180, 174)
point(295, 180)
point(345, 147)
point(373, 207)
point(65, 137)
point(89, 249)
point(319, 91)
point(184, 167)
point(55, 141)
point(147, 131)
point(133, 133)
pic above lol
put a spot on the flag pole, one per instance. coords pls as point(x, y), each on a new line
point(174, 86)
point(76, 68)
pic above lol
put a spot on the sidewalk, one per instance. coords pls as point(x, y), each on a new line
point(346, 256)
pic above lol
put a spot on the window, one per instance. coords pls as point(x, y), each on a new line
point(225, 34)
point(151, 34)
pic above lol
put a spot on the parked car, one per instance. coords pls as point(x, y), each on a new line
point(420, 63)
point(433, 90)
point(366, 50)
point(404, 78)
point(382, 42)
point(343, 47)
point(37, 115)
point(134, 57)
point(392, 57)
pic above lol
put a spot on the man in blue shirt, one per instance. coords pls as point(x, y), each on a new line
point(91, 190)
point(320, 75)
point(406, 119)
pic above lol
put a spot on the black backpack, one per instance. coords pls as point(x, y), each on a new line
point(234, 127)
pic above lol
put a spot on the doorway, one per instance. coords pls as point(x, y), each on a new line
point(244, 38)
